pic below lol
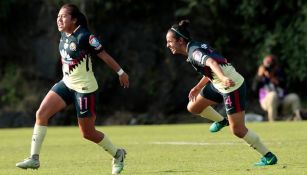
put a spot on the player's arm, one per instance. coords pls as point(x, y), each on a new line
point(123, 76)
point(202, 82)
point(196, 89)
point(215, 67)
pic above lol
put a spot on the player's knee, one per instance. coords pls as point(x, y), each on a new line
point(87, 135)
point(239, 131)
point(91, 136)
point(40, 115)
point(192, 109)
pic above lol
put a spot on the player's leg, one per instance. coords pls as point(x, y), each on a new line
point(238, 128)
point(51, 104)
point(86, 119)
point(202, 107)
point(88, 131)
point(235, 108)
point(87, 127)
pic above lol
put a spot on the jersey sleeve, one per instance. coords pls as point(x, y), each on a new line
point(95, 45)
point(199, 57)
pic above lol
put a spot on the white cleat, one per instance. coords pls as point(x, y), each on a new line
point(118, 162)
point(28, 163)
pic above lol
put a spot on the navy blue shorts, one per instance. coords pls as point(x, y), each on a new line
point(84, 102)
point(234, 101)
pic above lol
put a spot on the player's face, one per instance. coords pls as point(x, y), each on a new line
point(65, 22)
point(176, 46)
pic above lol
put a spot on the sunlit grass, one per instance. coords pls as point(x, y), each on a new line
point(159, 149)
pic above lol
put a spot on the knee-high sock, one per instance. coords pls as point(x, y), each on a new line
point(108, 146)
point(254, 141)
point(211, 114)
point(38, 136)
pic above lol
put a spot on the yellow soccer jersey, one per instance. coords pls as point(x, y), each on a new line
point(198, 53)
point(76, 50)
point(231, 73)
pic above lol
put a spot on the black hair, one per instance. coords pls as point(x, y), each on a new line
point(181, 30)
point(77, 14)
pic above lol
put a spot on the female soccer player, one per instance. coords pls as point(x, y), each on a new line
point(220, 83)
point(78, 86)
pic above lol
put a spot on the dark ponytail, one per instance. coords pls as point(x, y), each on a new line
point(81, 20)
point(181, 30)
point(76, 14)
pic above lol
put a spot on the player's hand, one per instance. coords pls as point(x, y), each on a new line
point(124, 80)
point(227, 82)
point(193, 94)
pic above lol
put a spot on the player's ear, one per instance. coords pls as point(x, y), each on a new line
point(181, 40)
point(74, 20)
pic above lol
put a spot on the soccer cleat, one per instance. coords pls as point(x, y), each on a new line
point(118, 161)
point(268, 159)
point(28, 163)
point(217, 126)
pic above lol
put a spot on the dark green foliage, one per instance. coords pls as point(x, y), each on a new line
point(133, 32)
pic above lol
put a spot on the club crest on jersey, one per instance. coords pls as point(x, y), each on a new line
point(65, 55)
point(94, 42)
point(205, 46)
point(65, 45)
point(73, 46)
point(197, 55)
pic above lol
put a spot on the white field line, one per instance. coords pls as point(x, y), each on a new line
point(197, 143)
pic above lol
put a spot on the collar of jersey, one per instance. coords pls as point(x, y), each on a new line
point(73, 31)
point(187, 50)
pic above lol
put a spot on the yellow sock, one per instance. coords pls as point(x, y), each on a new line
point(254, 141)
point(108, 146)
point(211, 114)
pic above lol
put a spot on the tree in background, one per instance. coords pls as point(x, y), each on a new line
point(134, 31)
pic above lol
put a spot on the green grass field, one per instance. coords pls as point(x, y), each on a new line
point(188, 149)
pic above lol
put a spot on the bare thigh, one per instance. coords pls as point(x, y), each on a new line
point(197, 106)
point(51, 104)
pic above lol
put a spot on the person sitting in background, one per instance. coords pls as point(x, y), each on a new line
point(272, 91)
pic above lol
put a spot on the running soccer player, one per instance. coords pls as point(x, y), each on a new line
point(78, 86)
point(220, 83)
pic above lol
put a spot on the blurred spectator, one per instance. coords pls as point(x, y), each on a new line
point(272, 92)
